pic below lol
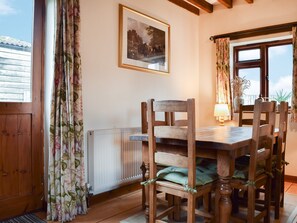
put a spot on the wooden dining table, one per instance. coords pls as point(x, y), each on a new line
point(222, 143)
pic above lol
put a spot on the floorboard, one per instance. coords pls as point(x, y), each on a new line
point(120, 208)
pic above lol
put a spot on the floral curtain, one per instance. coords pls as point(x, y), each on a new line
point(294, 83)
point(66, 186)
point(223, 89)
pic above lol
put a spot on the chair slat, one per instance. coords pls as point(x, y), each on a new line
point(169, 159)
point(171, 132)
point(268, 106)
point(265, 130)
point(263, 155)
point(247, 122)
point(170, 106)
point(180, 123)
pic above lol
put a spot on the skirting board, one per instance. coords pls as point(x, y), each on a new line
point(292, 179)
point(114, 193)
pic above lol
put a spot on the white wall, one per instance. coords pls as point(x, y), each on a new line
point(241, 17)
point(111, 94)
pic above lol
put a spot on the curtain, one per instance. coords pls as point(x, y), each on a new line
point(66, 186)
point(223, 86)
point(294, 83)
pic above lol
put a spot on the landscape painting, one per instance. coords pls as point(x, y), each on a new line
point(143, 42)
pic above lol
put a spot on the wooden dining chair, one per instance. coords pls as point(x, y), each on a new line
point(254, 171)
point(182, 178)
point(279, 160)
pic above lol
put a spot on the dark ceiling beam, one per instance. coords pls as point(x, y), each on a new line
point(250, 1)
point(185, 5)
point(202, 4)
point(227, 3)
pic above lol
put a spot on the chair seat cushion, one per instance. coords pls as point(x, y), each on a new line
point(242, 168)
point(204, 174)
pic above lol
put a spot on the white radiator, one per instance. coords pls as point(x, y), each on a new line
point(113, 160)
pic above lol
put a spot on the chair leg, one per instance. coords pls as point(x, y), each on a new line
point(282, 187)
point(152, 203)
point(251, 204)
point(170, 200)
point(217, 201)
point(267, 200)
point(207, 205)
point(235, 204)
point(276, 193)
point(207, 202)
point(177, 204)
point(191, 208)
point(143, 170)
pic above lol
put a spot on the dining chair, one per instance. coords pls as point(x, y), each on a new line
point(245, 118)
point(182, 178)
point(278, 160)
point(254, 171)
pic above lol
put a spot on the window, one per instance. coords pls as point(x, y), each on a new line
point(268, 66)
point(16, 21)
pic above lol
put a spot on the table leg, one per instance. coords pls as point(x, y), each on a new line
point(143, 171)
point(146, 188)
point(144, 168)
point(225, 204)
point(145, 177)
point(225, 171)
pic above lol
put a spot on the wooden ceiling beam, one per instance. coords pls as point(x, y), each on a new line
point(250, 1)
point(185, 5)
point(227, 3)
point(202, 4)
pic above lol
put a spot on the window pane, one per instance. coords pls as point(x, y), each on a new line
point(253, 92)
point(280, 66)
point(16, 19)
point(244, 55)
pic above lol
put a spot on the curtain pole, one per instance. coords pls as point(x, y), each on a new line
point(257, 31)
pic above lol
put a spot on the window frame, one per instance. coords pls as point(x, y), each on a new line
point(261, 63)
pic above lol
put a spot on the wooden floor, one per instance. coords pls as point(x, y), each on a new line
point(117, 209)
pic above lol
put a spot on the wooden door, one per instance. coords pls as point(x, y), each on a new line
point(21, 139)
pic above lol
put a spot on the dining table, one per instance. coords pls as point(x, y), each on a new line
point(222, 143)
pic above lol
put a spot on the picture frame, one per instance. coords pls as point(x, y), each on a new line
point(144, 42)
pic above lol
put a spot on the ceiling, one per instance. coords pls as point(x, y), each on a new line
point(195, 6)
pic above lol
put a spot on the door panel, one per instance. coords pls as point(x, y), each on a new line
point(9, 182)
point(25, 154)
point(18, 192)
point(16, 153)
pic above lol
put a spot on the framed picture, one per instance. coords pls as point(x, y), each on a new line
point(143, 42)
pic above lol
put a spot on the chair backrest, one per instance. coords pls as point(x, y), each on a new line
point(263, 135)
point(186, 131)
point(245, 116)
point(168, 118)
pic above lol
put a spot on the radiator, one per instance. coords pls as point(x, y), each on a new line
point(113, 160)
